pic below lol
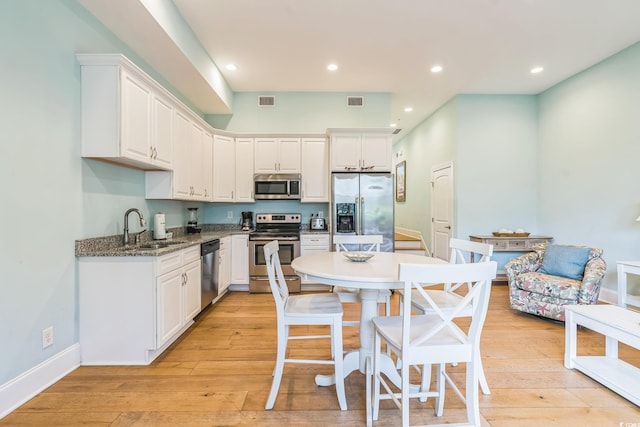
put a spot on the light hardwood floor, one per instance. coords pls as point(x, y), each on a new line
point(219, 374)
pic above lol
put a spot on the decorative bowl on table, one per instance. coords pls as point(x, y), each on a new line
point(511, 234)
point(358, 256)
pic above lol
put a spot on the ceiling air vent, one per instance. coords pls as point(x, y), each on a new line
point(396, 131)
point(266, 101)
point(355, 101)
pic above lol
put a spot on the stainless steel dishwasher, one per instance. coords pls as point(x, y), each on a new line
point(210, 253)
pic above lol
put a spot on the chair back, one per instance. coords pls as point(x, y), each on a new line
point(278, 285)
point(478, 275)
point(366, 242)
point(463, 251)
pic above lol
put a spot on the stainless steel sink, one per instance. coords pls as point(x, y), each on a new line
point(160, 245)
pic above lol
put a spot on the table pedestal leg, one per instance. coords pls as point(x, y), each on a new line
point(358, 359)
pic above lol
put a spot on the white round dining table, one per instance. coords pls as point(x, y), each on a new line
point(378, 273)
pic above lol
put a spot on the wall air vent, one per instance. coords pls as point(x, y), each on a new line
point(266, 101)
point(355, 101)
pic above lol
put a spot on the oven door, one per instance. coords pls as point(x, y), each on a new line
point(258, 276)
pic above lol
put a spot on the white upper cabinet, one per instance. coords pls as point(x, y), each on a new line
point(162, 132)
point(207, 166)
point(315, 170)
point(232, 169)
point(244, 170)
point(126, 116)
point(277, 155)
point(361, 152)
point(192, 177)
point(224, 165)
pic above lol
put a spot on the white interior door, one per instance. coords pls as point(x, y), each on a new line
point(441, 210)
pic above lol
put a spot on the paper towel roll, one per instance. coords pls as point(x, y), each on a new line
point(159, 228)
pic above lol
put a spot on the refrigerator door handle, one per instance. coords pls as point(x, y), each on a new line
point(361, 232)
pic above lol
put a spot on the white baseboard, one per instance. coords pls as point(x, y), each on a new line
point(608, 295)
point(28, 384)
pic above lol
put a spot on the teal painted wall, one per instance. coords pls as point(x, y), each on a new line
point(480, 135)
point(51, 196)
point(495, 164)
point(313, 112)
point(429, 144)
point(589, 145)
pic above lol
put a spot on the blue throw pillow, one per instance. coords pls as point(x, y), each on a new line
point(565, 261)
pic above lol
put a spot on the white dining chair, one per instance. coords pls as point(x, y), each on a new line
point(462, 251)
point(365, 243)
point(427, 339)
point(307, 309)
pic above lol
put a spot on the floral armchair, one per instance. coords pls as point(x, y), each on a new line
point(542, 286)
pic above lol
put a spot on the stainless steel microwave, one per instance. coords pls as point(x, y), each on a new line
point(276, 186)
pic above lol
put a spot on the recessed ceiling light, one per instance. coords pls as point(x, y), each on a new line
point(393, 125)
point(231, 67)
point(408, 109)
point(332, 67)
point(436, 68)
point(536, 70)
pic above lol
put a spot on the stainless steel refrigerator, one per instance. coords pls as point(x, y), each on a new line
point(362, 203)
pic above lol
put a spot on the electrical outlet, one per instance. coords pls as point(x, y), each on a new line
point(230, 214)
point(47, 337)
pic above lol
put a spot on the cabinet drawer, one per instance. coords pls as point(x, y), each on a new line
point(516, 245)
point(191, 254)
point(314, 240)
point(168, 262)
point(498, 244)
point(312, 250)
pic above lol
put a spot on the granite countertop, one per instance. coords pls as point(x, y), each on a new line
point(111, 246)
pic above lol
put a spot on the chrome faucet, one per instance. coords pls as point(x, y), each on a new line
point(143, 223)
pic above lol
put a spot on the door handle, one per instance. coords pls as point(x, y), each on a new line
point(448, 227)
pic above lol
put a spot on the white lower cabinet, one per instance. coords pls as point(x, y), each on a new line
point(240, 259)
point(314, 243)
point(132, 308)
point(178, 296)
point(224, 278)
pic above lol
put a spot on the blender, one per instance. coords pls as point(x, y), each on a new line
point(192, 224)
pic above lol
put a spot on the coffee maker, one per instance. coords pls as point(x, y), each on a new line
point(192, 224)
point(247, 221)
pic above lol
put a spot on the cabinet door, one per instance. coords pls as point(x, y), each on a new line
point(376, 153)
point(191, 291)
point(162, 133)
point(345, 152)
point(195, 162)
point(207, 167)
point(315, 170)
point(169, 305)
point(244, 170)
point(240, 259)
point(136, 119)
point(266, 155)
point(182, 139)
point(288, 155)
point(225, 264)
point(224, 161)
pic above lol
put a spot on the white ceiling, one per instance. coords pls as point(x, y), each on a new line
point(485, 46)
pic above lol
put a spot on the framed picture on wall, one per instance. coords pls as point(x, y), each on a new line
point(401, 181)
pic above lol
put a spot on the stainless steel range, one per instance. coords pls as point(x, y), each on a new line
point(285, 228)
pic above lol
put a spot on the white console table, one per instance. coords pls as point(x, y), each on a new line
point(625, 268)
point(616, 324)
